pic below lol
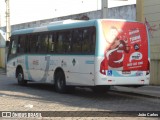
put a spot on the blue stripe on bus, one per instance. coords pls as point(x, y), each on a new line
point(27, 67)
point(116, 74)
point(89, 62)
point(78, 55)
point(97, 38)
point(23, 31)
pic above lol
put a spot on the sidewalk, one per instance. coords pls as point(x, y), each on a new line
point(151, 91)
point(2, 71)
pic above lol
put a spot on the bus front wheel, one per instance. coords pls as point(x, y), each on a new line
point(60, 83)
point(20, 77)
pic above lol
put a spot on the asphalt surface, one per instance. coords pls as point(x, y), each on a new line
point(42, 97)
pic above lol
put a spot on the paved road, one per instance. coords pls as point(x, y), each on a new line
point(42, 97)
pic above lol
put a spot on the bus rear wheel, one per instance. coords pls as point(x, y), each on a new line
point(60, 83)
point(20, 77)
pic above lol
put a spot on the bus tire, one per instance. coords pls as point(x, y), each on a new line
point(20, 77)
point(60, 83)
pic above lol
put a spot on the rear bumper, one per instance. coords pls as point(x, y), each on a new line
point(137, 80)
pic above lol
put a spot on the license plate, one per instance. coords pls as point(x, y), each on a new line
point(126, 72)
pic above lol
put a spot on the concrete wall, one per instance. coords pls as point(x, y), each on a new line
point(148, 11)
point(2, 57)
point(2, 49)
point(152, 18)
point(123, 12)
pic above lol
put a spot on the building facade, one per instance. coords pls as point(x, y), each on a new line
point(148, 11)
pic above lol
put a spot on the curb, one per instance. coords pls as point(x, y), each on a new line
point(137, 91)
point(2, 71)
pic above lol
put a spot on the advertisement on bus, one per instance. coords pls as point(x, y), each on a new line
point(126, 46)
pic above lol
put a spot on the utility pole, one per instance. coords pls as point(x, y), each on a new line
point(0, 13)
point(104, 8)
point(8, 27)
point(0, 19)
point(140, 10)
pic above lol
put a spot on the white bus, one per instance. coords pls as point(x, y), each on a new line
point(95, 53)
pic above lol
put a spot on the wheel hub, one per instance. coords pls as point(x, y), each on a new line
point(19, 77)
point(60, 83)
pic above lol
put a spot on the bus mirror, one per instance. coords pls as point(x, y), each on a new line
point(7, 43)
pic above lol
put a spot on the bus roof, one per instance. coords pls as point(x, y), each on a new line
point(56, 26)
point(62, 25)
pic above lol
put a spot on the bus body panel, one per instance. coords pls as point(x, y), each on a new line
point(128, 64)
point(79, 70)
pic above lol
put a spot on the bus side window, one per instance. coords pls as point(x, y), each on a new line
point(93, 40)
point(27, 50)
point(86, 41)
point(45, 43)
point(33, 46)
point(63, 41)
point(42, 43)
point(51, 44)
point(13, 47)
point(67, 41)
point(21, 44)
point(59, 42)
point(76, 41)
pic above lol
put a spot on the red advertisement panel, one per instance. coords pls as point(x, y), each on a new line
point(126, 46)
